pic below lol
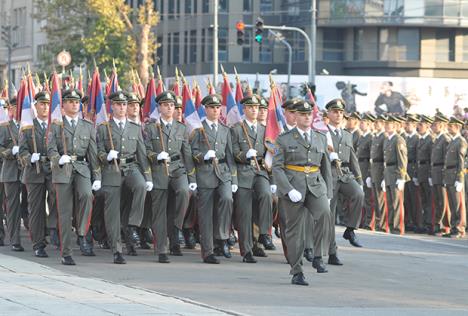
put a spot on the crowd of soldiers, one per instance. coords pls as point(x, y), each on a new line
point(128, 184)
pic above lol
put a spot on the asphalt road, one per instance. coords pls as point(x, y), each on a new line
point(392, 275)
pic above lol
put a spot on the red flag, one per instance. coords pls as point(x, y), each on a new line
point(4, 93)
point(111, 87)
point(317, 118)
point(150, 108)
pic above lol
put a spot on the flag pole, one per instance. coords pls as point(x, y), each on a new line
point(158, 126)
point(38, 170)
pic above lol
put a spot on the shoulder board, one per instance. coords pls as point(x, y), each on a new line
point(87, 122)
point(180, 123)
point(133, 123)
point(346, 132)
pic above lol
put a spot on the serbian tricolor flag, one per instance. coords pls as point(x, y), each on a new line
point(4, 119)
point(55, 113)
point(239, 97)
point(274, 125)
point(197, 97)
point(232, 110)
point(111, 87)
point(190, 112)
point(317, 118)
point(27, 111)
point(97, 99)
point(150, 108)
point(4, 93)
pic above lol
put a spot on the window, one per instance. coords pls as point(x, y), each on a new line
point(365, 44)
point(178, 9)
point(451, 7)
point(247, 7)
point(193, 47)
point(408, 44)
point(171, 10)
point(205, 6)
point(203, 45)
point(175, 48)
point(210, 44)
point(465, 45)
point(195, 7)
point(247, 48)
point(266, 6)
point(186, 47)
point(433, 8)
point(223, 6)
point(298, 48)
point(223, 44)
point(333, 44)
point(393, 7)
point(161, 10)
point(188, 6)
point(40, 51)
point(266, 56)
point(445, 45)
point(18, 32)
point(159, 51)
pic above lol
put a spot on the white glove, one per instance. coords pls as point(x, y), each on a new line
point(96, 185)
point(334, 156)
point(369, 182)
point(458, 186)
point(415, 181)
point(329, 202)
point(430, 181)
point(14, 150)
point(273, 188)
point(149, 186)
point(35, 157)
point(163, 156)
point(400, 183)
point(383, 186)
point(234, 188)
point(210, 154)
point(295, 195)
point(251, 153)
point(64, 159)
point(113, 154)
point(192, 186)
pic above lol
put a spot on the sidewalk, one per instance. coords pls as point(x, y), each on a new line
point(28, 288)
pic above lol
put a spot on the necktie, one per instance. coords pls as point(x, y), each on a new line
point(168, 127)
point(44, 126)
point(121, 126)
point(306, 137)
point(337, 132)
point(213, 127)
point(254, 130)
point(73, 124)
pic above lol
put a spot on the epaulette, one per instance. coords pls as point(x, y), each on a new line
point(131, 122)
point(87, 122)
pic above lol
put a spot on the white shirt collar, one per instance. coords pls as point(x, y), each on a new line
point(302, 132)
point(41, 121)
point(134, 121)
point(69, 119)
point(440, 134)
point(251, 124)
point(391, 136)
point(290, 127)
point(211, 123)
point(425, 135)
point(410, 135)
point(119, 121)
point(333, 128)
point(455, 137)
point(167, 122)
point(366, 133)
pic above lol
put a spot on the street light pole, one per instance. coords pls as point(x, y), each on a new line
point(280, 38)
point(313, 48)
point(215, 42)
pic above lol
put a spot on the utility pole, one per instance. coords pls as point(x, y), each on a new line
point(279, 37)
point(313, 39)
point(215, 42)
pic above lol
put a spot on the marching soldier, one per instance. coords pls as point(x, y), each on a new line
point(216, 180)
point(121, 151)
point(10, 176)
point(248, 138)
point(395, 175)
point(172, 166)
point(439, 150)
point(352, 126)
point(454, 174)
point(377, 171)
point(33, 156)
point(302, 171)
point(72, 151)
point(414, 221)
point(347, 179)
point(363, 153)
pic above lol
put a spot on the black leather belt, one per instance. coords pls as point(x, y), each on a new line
point(389, 164)
point(363, 159)
point(377, 160)
point(412, 161)
point(78, 158)
point(423, 162)
point(345, 164)
point(209, 161)
point(171, 158)
point(450, 167)
point(438, 164)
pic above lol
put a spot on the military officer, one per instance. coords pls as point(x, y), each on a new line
point(439, 150)
point(395, 175)
point(216, 179)
point(377, 171)
point(302, 170)
point(423, 155)
point(453, 178)
point(72, 151)
point(347, 179)
point(121, 151)
point(249, 151)
point(413, 214)
point(172, 166)
point(363, 153)
point(352, 126)
point(37, 176)
point(10, 176)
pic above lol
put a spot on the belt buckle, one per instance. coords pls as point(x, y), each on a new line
point(307, 169)
point(123, 160)
point(73, 157)
point(252, 163)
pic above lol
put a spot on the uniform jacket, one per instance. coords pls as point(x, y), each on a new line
point(292, 149)
point(395, 159)
point(30, 174)
point(423, 156)
point(377, 158)
point(412, 149)
point(363, 152)
point(80, 142)
point(246, 169)
point(455, 161)
point(209, 176)
point(439, 149)
point(130, 145)
point(11, 168)
point(176, 144)
point(343, 146)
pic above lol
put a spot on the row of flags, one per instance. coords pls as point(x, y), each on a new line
point(194, 112)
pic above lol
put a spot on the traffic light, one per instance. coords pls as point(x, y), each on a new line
point(240, 26)
point(6, 34)
point(259, 30)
